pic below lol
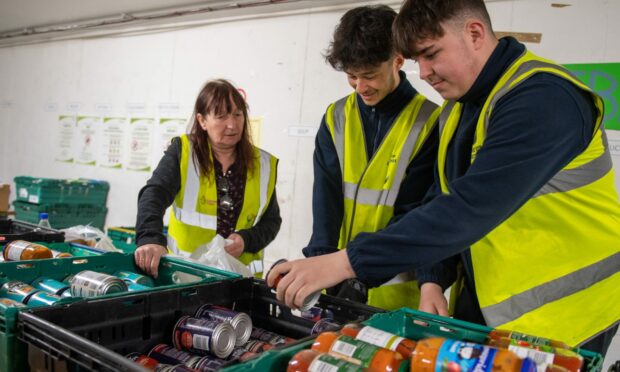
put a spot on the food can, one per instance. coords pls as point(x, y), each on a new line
point(18, 291)
point(57, 254)
point(324, 325)
point(135, 278)
point(90, 284)
point(204, 336)
point(42, 298)
point(241, 322)
point(53, 286)
point(169, 355)
point(269, 337)
point(143, 360)
point(240, 354)
point(6, 303)
point(209, 364)
point(316, 313)
point(134, 287)
point(308, 302)
point(256, 346)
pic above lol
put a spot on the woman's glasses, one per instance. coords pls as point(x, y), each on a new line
point(226, 202)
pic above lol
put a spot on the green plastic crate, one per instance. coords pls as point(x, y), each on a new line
point(124, 237)
point(62, 215)
point(402, 323)
point(173, 273)
point(49, 190)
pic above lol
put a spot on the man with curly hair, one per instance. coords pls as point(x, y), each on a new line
point(375, 149)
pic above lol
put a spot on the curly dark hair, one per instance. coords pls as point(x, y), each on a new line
point(423, 19)
point(218, 97)
point(363, 38)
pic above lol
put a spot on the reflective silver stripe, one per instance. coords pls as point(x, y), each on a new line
point(445, 113)
point(423, 115)
point(339, 123)
point(525, 302)
point(192, 183)
point(388, 197)
point(174, 248)
point(570, 179)
point(193, 218)
point(265, 173)
point(256, 266)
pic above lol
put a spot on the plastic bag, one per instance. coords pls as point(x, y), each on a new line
point(213, 254)
point(90, 236)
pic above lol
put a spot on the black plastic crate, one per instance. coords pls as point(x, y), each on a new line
point(21, 230)
point(96, 334)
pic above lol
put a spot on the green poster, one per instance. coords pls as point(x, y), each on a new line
point(603, 79)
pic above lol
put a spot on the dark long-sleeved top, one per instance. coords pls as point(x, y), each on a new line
point(160, 191)
point(328, 197)
point(535, 130)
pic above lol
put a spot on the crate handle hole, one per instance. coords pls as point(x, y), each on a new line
point(23, 266)
point(80, 261)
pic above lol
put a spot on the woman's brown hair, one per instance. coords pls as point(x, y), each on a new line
point(220, 97)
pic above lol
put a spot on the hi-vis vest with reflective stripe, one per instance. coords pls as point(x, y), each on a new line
point(552, 268)
point(193, 220)
point(370, 187)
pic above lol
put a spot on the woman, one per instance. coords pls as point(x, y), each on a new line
point(217, 183)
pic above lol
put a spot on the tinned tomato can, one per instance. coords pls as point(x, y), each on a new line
point(204, 336)
point(241, 322)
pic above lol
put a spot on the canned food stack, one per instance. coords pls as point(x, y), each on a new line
point(215, 335)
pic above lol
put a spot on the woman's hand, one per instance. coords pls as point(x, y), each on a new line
point(147, 257)
point(236, 247)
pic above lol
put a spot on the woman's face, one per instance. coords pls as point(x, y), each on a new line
point(224, 130)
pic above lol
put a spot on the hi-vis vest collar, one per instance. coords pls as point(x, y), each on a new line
point(416, 137)
point(548, 268)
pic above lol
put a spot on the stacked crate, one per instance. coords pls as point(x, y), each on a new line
point(67, 202)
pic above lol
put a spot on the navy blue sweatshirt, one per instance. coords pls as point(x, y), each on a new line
point(328, 199)
point(535, 130)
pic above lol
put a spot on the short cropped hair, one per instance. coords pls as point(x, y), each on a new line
point(422, 19)
point(363, 38)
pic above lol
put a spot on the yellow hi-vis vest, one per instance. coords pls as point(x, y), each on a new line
point(370, 187)
point(552, 268)
point(193, 220)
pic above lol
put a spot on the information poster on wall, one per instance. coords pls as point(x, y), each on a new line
point(141, 130)
point(87, 140)
point(168, 129)
point(112, 142)
point(65, 135)
point(602, 78)
point(256, 130)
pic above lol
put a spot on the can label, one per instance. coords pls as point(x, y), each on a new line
point(15, 249)
point(42, 298)
point(214, 312)
point(269, 337)
point(18, 291)
point(51, 285)
point(241, 354)
point(143, 360)
point(169, 355)
point(7, 302)
point(134, 287)
point(324, 325)
point(202, 336)
point(209, 364)
point(256, 346)
point(135, 278)
point(90, 284)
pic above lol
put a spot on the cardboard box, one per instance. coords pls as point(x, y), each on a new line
point(5, 191)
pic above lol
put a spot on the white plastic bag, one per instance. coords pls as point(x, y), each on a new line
point(213, 254)
point(91, 235)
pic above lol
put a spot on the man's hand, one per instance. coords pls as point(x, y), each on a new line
point(237, 246)
point(306, 276)
point(147, 257)
point(432, 299)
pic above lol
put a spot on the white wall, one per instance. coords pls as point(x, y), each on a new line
point(276, 60)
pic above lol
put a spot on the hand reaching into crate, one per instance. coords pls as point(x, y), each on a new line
point(147, 257)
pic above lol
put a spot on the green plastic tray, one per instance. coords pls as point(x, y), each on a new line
point(405, 323)
point(173, 273)
point(49, 190)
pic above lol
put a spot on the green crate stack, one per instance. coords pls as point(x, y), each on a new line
point(407, 323)
point(62, 215)
point(124, 237)
point(173, 273)
point(68, 202)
